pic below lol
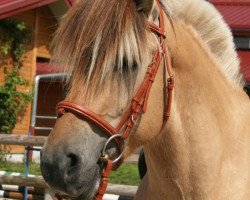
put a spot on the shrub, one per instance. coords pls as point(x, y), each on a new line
point(12, 101)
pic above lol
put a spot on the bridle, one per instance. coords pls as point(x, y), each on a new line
point(138, 106)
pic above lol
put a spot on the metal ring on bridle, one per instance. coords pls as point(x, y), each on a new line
point(106, 145)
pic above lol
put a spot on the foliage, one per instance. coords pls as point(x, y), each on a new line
point(13, 35)
point(12, 101)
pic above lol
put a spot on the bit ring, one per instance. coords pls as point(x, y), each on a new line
point(106, 145)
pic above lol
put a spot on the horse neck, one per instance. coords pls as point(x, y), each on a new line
point(198, 152)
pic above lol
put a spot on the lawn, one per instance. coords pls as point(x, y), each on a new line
point(127, 174)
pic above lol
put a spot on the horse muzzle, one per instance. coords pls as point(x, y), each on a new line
point(67, 174)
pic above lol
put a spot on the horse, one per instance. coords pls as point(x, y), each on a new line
point(140, 73)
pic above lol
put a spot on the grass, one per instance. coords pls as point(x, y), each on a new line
point(127, 174)
point(20, 168)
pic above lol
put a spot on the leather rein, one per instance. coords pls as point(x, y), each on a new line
point(138, 107)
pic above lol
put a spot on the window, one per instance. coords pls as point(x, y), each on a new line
point(242, 43)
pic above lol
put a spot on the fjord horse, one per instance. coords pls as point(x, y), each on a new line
point(129, 63)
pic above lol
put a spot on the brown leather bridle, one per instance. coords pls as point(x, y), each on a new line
point(137, 108)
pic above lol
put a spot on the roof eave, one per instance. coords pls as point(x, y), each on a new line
point(9, 13)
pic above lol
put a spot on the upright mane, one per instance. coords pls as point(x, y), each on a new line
point(209, 24)
point(98, 38)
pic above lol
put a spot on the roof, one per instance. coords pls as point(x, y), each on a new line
point(245, 64)
point(12, 7)
point(235, 12)
point(47, 68)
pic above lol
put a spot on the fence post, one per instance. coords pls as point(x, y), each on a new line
point(49, 194)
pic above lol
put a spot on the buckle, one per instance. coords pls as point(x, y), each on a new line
point(170, 81)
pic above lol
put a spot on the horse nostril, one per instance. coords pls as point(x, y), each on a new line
point(72, 167)
point(74, 160)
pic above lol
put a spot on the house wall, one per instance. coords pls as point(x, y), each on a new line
point(43, 24)
point(47, 25)
point(27, 71)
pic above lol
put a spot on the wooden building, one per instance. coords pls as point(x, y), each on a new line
point(42, 16)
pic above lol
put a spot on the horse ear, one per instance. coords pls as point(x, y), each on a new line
point(144, 6)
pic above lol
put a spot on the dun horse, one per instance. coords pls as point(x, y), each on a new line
point(132, 64)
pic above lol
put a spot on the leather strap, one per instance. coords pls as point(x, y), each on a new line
point(86, 114)
point(104, 181)
point(169, 87)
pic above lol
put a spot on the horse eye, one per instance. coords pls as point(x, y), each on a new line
point(128, 68)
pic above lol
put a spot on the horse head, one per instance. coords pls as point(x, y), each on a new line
point(108, 49)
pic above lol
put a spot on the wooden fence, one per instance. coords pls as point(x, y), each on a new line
point(22, 140)
point(38, 181)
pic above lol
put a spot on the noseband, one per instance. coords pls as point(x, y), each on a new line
point(138, 106)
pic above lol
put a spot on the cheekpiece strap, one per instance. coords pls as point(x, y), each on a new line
point(104, 181)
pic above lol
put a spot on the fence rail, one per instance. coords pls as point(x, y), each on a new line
point(23, 140)
point(39, 182)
